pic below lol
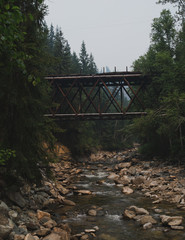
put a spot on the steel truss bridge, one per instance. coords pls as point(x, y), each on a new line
point(102, 96)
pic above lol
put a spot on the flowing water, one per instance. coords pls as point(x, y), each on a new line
point(110, 203)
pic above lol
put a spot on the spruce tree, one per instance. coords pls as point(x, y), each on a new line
point(75, 68)
point(84, 59)
point(92, 65)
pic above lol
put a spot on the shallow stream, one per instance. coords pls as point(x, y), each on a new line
point(110, 202)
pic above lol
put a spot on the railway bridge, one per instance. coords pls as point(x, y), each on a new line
point(111, 96)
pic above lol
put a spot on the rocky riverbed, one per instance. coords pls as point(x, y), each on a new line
point(32, 212)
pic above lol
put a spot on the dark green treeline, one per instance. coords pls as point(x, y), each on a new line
point(162, 132)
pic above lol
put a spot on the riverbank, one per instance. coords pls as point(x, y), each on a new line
point(30, 212)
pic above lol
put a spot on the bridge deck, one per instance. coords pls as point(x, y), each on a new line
point(111, 79)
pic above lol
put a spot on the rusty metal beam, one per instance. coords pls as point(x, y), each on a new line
point(91, 96)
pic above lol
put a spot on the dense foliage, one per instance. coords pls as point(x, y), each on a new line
point(162, 132)
point(23, 93)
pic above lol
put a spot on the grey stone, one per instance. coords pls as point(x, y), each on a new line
point(3, 207)
point(17, 198)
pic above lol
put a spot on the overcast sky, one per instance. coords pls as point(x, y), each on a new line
point(116, 32)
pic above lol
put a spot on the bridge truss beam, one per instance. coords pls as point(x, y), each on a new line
point(100, 96)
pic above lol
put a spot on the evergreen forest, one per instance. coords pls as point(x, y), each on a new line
point(31, 50)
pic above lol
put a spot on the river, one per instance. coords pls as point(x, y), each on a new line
point(110, 203)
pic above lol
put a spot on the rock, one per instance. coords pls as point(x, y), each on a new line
point(177, 227)
point(84, 192)
point(177, 199)
point(90, 230)
point(65, 226)
point(36, 238)
point(43, 231)
point(154, 184)
point(50, 224)
point(96, 228)
point(139, 211)
point(129, 214)
point(48, 202)
point(147, 225)
point(62, 189)
point(157, 201)
point(23, 229)
point(175, 222)
point(41, 214)
point(53, 236)
point(68, 202)
point(13, 214)
point(104, 236)
point(18, 237)
point(3, 207)
point(113, 176)
point(84, 237)
point(92, 212)
point(6, 226)
point(127, 190)
point(123, 165)
point(125, 180)
point(171, 221)
point(147, 219)
point(132, 170)
point(62, 233)
point(138, 180)
point(17, 198)
point(29, 237)
point(158, 210)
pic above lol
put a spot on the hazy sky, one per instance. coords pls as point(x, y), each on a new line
point(117, 32)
